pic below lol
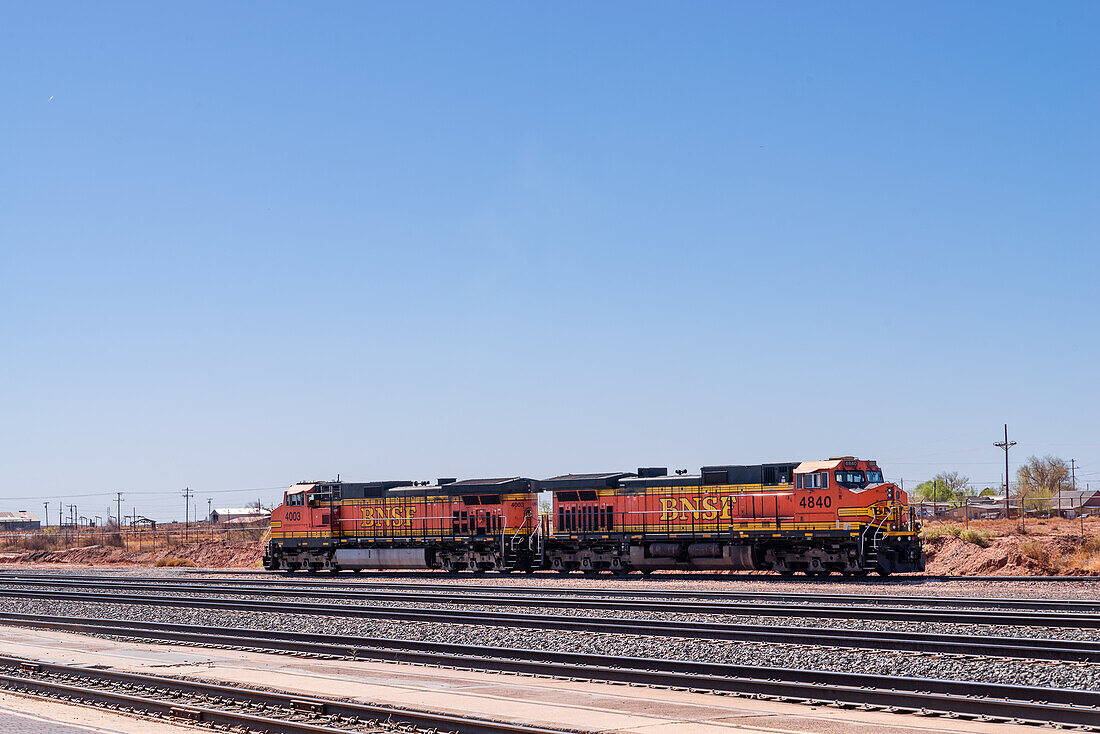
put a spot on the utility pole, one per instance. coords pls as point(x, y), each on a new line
point(208, 510)
point(186, 510)
point(1006, 445)
point(118, 508)
point(46, 513)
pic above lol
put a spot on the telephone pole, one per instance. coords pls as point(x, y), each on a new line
point(186, 510)
point(118, 508)
point(1006, 445)
point(46, 513)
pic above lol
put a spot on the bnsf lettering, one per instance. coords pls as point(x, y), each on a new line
point(294, 516)
point(709, 508)
point(387, 517)
point(812, 502)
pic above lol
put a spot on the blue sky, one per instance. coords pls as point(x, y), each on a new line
point(247, 244)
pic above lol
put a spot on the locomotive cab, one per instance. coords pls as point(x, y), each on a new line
point(865, 501)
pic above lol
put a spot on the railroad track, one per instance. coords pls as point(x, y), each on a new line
point(953, 644)
point(332, 589)
point(897, 578)
point(989, 701)
point(228, 706)
point(815, 611)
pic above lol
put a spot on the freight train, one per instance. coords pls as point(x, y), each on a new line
point(814, 517)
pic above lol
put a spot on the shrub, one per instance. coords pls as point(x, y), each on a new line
point(977, 537)
point(170, 561)
point(934, 534)
point(931, 535)
point(1035, 549)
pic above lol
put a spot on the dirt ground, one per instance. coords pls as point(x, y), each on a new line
point(1043, 547)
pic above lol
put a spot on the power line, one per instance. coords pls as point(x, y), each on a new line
point(157, 493)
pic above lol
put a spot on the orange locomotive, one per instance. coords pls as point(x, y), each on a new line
point(479, 525)
point(816, 517)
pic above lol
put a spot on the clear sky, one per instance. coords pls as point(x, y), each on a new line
point(246, 244)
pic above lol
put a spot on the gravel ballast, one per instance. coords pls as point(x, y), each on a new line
point(994, 670)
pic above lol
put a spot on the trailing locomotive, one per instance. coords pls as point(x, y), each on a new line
point(815, 517)
point(479, 525)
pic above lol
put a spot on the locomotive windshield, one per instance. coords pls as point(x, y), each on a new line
point(874, 476)
point(851, 479)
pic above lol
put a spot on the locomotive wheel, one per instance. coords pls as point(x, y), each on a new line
point(592, 573)
point(787, 573)
point(647, 571)
point(564, 571)
point(882, 572)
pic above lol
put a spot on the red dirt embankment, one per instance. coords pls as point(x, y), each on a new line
point(1040, 548)
point(206, 554)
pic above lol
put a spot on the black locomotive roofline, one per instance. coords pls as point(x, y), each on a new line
point(766, 474)
point(372, 490)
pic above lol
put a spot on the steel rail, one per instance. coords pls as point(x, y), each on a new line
point(250, 696)
point(954, 644)
point(651, 580)
point(372, 590)
point(995, 700)
point(980, 617)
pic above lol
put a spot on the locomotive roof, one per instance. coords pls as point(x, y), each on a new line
point(679, 480)
point(834, 463)
point(496, 484)
point(584, 481)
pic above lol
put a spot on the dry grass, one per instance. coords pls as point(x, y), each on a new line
point(174, 562)
point(1036, 550)
point(979, 538)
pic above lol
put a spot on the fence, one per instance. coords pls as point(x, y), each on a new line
point(129, 539)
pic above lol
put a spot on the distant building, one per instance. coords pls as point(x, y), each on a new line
point(21, 520)
point(239, 515)
point(1074, 503)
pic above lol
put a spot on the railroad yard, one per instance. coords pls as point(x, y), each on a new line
point(496, 653)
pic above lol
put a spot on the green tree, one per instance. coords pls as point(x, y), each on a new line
point(935, 491)
point(945, 487)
